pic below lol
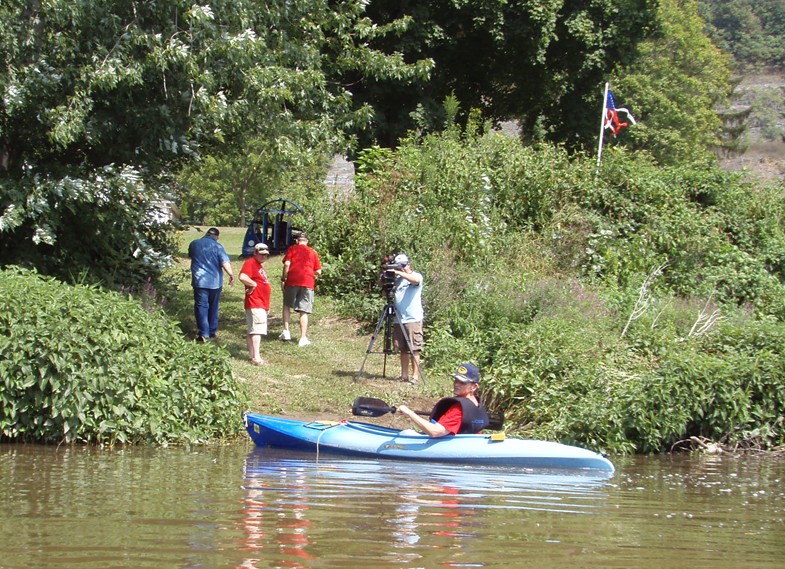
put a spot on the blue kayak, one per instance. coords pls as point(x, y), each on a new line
point(353, 438)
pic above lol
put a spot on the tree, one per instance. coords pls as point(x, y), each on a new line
point(674, 87)
point(538, 61)
point(227, 188)
point(101, 99)
point(753, 31)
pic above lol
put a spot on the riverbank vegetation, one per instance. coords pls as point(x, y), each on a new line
point(625, 309)
point(84, 365)
point(624, 305)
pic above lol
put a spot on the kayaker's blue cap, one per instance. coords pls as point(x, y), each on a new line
point(467, 373)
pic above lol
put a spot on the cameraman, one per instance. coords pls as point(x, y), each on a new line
point(408, 305)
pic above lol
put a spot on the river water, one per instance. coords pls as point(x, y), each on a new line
point(237, 506)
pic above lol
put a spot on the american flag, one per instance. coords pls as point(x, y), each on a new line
point(612, 121)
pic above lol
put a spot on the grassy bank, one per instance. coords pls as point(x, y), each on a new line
point(316, 381)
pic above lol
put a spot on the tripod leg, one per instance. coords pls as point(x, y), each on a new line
point(389, 323)
point(382, 319)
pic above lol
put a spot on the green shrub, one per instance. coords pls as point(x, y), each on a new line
point(535, 268)
point(82, 365)
point(664, 383)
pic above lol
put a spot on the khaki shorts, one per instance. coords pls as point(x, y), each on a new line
point(298, 298)
point(256, 318)
point(414, 332)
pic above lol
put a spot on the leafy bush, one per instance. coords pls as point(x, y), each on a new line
point(82, 365)
point(617, 311)
point(662, 383)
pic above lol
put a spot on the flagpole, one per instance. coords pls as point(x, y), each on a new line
point(602, 124)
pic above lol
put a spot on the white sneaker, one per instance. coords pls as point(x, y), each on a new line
point(304, 342)
point(285, 336)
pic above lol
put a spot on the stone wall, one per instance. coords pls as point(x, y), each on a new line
point(340, 177)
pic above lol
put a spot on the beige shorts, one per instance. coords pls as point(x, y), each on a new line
point(256, 318)
point(414, 332)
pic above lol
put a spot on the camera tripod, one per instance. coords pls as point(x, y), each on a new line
point(387, 319)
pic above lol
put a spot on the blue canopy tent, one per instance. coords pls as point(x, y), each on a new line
point(272, 224)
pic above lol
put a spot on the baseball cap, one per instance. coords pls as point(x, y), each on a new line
point(261, 248)
point(401, 259)
point(467, 373)
point(302, 235)
point(213, 231)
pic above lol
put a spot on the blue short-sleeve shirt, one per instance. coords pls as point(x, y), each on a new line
point(207, 257)
point(408, 299)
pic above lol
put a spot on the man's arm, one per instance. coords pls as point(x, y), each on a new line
point(433, 430)
point(246, 280)
point(228, 268)
point(413, 278)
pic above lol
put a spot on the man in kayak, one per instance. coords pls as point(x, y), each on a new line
point(460, 414)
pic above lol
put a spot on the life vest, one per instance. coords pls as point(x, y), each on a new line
point(474, 419)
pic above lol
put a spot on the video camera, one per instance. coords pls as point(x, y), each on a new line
point(393, 267)
point(387, 276)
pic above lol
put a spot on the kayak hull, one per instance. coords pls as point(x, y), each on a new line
point(351, 438)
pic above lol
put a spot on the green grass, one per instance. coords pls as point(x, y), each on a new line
point(316, 381)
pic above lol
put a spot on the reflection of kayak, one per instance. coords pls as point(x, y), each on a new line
point(364, 439)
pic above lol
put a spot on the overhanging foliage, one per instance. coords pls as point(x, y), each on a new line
point(93, 89)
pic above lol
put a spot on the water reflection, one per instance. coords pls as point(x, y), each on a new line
point(218, 507)
point(275, 517)
point(409, 505)
point(724, 511)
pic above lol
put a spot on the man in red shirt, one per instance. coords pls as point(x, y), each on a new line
point(462, 413)
point(300, 267)
point(257, 299)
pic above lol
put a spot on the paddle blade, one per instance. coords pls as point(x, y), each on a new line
point(370, 407)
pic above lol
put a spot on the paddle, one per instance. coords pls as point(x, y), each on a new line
point(372, 407)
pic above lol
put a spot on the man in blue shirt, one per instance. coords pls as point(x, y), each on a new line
point(408, 305)
point(208, 261)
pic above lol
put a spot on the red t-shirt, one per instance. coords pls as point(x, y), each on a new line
point(451, 420)
point(260, 297)
point(304, 262)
